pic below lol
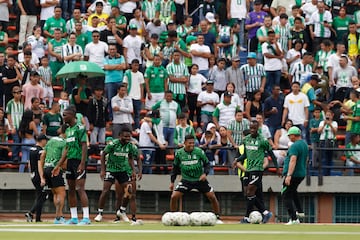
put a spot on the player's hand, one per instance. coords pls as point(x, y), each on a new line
point(102, 174)
point(287, 180)
point(133, 176)
point(162, 146)
point(234, 164)
point(55, 172)
point(149, 96)
point(171, 187)
point(42, 181)
point(81, 167)
point(202, 177)
point(139, 176)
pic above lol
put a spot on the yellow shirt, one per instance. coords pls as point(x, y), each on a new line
point(353, 46)
point(103, 16)
point(349, 104)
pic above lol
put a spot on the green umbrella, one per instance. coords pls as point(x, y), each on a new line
point(73, 69)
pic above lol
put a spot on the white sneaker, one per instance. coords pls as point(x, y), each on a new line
point(293, 222)
point(300, 214)
point(137, 222)
point(218, 221)
point(98, 218)
point(123, 216)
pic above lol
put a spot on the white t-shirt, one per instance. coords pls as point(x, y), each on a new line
point(333, 61)
point(204, 96)
point(296, 105)
point(195, 83)
point(203, 63)
point(127, 7)
point(34, 58)
point(144, 139)
point(137, 79)
point(96, 52)
point(265, 131)
point(271, 64)
point(308, 9)
point(238, 9)
point(133, 45)
point(291, 54)
point(327, 134)
point(46, 12)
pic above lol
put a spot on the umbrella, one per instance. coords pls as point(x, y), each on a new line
point(73, 69)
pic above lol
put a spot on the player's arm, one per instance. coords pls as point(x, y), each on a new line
point(102, 164)
point(175, 171)
point(57, 168)
point(132, 165)
point(84, 149)
point(291, 169)
point(41, 167)
point(139, 164)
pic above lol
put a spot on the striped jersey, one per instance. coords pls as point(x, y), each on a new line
point(234, 47)
point(169, 112)
point(45, 74)
point(284, 35)
point(181, 132)
point(16, 109)
point(318, 19)
point(166, 8)
point(299, 70)
point(177, 70)
point(149, 8)
point(322, 57)
point(182, 30)
point(252, 76)
point(237, 129)
point(191, 164)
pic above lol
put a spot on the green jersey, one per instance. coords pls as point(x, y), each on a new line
point(52, 23)
point(82, 40)
point(119, 155)
point(255, 149)
point(54, 149)
point(355, 127)
point(2, 37)
point(157, 77)
point(314, 136)
point(53, 123)
point(57, 47)
point(301, 151)
point(191, 164)
point(75, 136)
point(341, 26)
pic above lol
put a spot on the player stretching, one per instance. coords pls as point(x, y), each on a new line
point(48, 160)
point(193, 165)
point(75, 153)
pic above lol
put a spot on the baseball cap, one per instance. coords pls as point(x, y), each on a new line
point(133, 26)
point(235, 59)
point(170, 22)
point(257, 2)
point(107, 139)
point(209, 126)
point(228, 94)
point(294, 131)
point(209, 81)
point(42, 137)
point(190, 38)
point(210, 17)
point(251, 55)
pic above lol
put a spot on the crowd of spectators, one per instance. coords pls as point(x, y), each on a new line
point(201, 67)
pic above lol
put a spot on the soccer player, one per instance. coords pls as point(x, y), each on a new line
point(294, 171)
point(48, 160)
point(76, 154)
point(193, 166)
point(256, 146)
point(41, 195)
point(120, 168)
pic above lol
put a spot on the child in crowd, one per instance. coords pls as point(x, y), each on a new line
point(181, 130)
point(46, 80)
point(315, 136)
point(64, 101)
point(167, 52)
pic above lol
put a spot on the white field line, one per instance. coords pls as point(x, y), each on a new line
point(43, 230)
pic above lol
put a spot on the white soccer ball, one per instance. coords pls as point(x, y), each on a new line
point(255, 217)
point(168, 219)
point(181, 219)
point(211, 219)
point(195, 219)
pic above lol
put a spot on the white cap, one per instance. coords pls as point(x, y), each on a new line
point(209, 126)
point(210, 17)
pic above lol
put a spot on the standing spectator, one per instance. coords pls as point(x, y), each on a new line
point(181, 130)
point(14, 111)
point(200, 55)
point(298, 32)
point(253, 106)
point(98, 115)
point(111, 35)
point(165, 11)
point(209, 37)
point(342, 77)
point(4, 9)
point(234, 76)
point(207, 100)
point(156, 78)
point(302, 69)
point(4, 40)
point(236, 128)
point(155, 27)
point(178, 79)
point(151, 49)
point(253, 74)
point(308, 9)
point(309, 89)
point(11, 77)
point(320, 24)
point(295, 54)
point(185, 29)
point(114, 66)
point(341, 24)
point(38, 42)
point(2, 65)
point(294, 171)
point(273, 110)
point(169, 110)
point(32, 89)
point(284, 3)
point(236, 12)
point(71, 51)
point(282, 32)
point(81, 37)
point(55, 51)
point(127, 7)
point(351, 39)
point(148, 8)
point(224, 111)
point(99, 14)
point(352, 157)
point(55, 22)
point(282, 141)
point(296, 108)
point(218, 76)
point(34, 60)
point(273, 55)
point(28, 18)
point(138, 20)
point(158, 131)
point(76, 17)
point(262, 36)
point(322, 56)
point(132, 45)
point(254, 21)
point(26, 67)
point(46, 80)
point(315, 136)
point(123, 109)
point(135, 86)
point(238, 101)
point(147, 139)
point(47, 10)
point(333, 62)
point(52, 121)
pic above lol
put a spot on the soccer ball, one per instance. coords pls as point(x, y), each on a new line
point(255, 217)
point(208, 219)
point(195, 219)
point(168, 219)
point(181, 218)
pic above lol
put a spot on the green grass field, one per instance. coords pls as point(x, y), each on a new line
point(156, 231)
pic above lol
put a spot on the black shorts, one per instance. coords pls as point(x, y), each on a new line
point(186, 186)
point(245, 179)
point(71, 170)
point(255, 178)
point(121, 177)
point(53, 181)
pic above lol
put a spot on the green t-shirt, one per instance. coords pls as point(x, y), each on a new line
point(341, 26)
point(355, 127)
point(118, 156)
point(191, 164)
point(255, 150)
point(157, 77)
point(53, 123)
point(52, 23)
point(57, 47)
point(2, 37)
point(75, 136)
point(314, 136)
point(82, 40)
point(54, 149)
point(301, 151)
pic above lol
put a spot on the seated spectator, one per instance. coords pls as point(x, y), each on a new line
point(236, 129)
point(222, 154)
point(253, 106)
point(3, 39)
point(99, 13)
point(282, 140)
point(295, 54)
point(353, 157)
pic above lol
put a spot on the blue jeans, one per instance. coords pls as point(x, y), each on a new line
point(137, 109)
point(67, 7)
point(16, 149)
point(303, 132)
point(148, 160)
point(110, 92)
point(273, 78)
point(223, 156)
point(205, 73)
point(241, 33)
point(326, 159)
point(25, 150)
point(169, 135)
